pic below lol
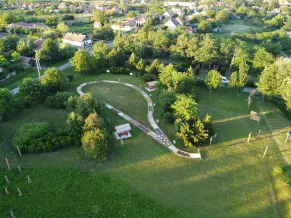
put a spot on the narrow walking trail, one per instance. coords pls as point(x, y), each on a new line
point(157, 134)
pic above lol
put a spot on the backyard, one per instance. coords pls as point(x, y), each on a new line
point(231, 180)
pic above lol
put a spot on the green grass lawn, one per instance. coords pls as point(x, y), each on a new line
point(237, 26)
point(15, 81)
point(72, 193)
point(232, 179)
point(85, 29)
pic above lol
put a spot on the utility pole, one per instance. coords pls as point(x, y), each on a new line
point(37, 64)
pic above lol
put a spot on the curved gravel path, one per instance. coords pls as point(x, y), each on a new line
point(157, 134)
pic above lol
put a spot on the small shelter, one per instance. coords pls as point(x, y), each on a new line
point(255, 116)
point(122, 131)
point(151, 85)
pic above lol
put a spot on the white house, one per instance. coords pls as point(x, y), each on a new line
point(78, 40)
point(124, 25)
point(168, 14)
point(173, 23)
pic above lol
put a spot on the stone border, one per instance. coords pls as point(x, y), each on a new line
point(158, 135)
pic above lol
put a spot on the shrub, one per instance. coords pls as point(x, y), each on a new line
point(28, 132)
point(119, 70)
point(148, 77)
point(59, 100)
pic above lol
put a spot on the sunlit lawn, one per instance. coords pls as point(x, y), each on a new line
point(232, 179)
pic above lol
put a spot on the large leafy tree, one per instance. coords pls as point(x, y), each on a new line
point(207, 50)
point(192, 132)
point(93, 122)
point(95, 143)
point(62, 28)
point(213, 80)
point(154, 68)
point(166, 100)
point(74, 125)
point(185, 108)
point(82, 62)
point(116, 57)
point(99, 16)
point(239, 78)
point(267, 84)
point(52, 80)
point(49, 50)
point(25, 47)
point(7, 103)
point(262, 58)
point(87, 104)
point(30, 89)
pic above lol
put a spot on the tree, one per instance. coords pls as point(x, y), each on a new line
point(25, 47)
point(82, 61)
point(262, 58)
point(95, 143)
point(206, 51)
point(239, 79)
point(192, 132)
point(213, 80)
point(52, 80)
point(131, 14)
point(167, 99)
point(93, 122)
point(15, 55)
point(179, 50)
point(49, 50)
point(154, 68)
point(140, 65)
point(66, 50)
point(99, 16)
point(62, 28)
point(267, 84)
point(185, 108)
point(10, 42)
point(7, 103)
point(87, 104)
point(101, 51)
point(132, 60)
point(103, 33)
point(3, 61)
point(205, 26)
point(116, 57)
point(285, 91)
point(31, 89)
point(74, 125)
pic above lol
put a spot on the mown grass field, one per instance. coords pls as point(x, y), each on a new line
point(232, 179)
point(237, 26)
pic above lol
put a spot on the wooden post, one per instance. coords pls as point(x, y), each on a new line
point(6, 191)
point(7, 180)
point(19, 169)
point(12, 215)
point(19, 152)
point(20, 194)
point(265, 151)
point(29, 181)
point(8, 166)
point(249, 137)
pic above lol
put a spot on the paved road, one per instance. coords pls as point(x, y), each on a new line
point(157, 134)
point(62, 67)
